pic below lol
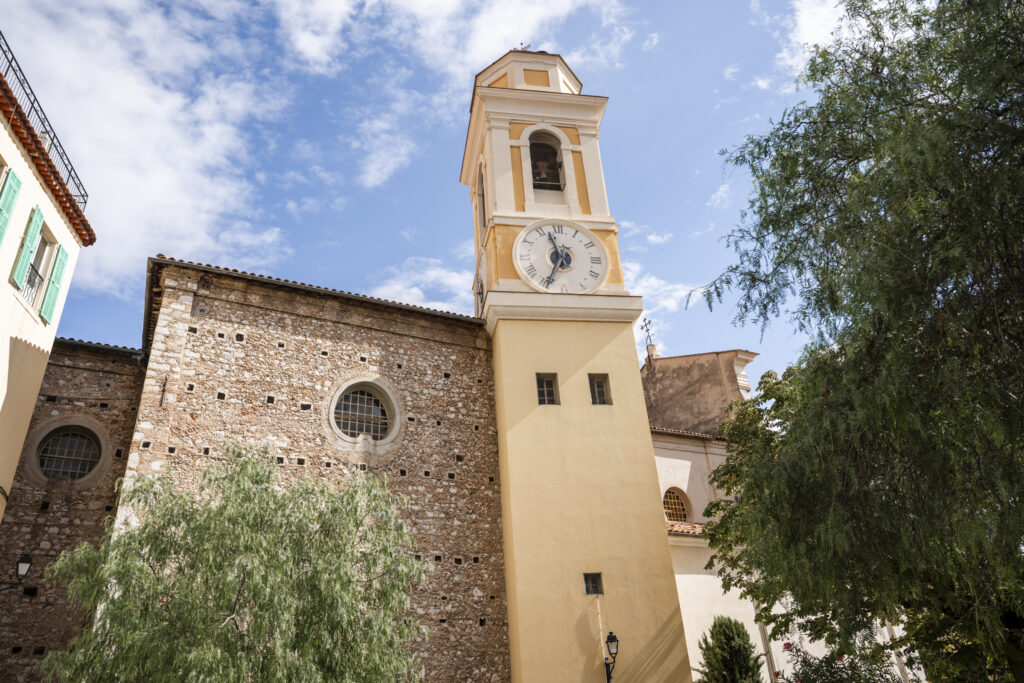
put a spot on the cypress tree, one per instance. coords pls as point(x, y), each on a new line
point(728, 654)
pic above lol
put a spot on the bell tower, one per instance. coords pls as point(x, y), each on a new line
point(585, 543)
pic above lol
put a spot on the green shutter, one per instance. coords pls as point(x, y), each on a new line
point(28, 248)
point(7, 196)
point(53, 287)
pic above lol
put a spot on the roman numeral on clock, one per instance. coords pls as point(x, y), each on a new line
point(530, 270)
point(589, 245)
point(594, 274)
point(559, 229)
point(595, 260)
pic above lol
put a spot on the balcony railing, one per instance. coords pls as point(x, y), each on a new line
point(33, 281)
point(12, 73)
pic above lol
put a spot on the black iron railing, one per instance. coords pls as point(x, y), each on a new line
point(12, 73)
point(33, 281)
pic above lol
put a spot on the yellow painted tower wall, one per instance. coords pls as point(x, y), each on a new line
point(580, 494)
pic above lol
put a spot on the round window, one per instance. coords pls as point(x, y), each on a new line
point(362, 411)
point(70, 452)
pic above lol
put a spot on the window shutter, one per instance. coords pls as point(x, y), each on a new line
point(53, 287)
point(7, 196)
point(28, 247)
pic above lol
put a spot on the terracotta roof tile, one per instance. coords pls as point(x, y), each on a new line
point(683, 432)
point(684, 528)
point(21, 126)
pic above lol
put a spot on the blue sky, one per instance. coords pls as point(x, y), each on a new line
point(321, 141)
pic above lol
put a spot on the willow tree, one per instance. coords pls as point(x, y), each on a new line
point(881, 478)
point(245, 580)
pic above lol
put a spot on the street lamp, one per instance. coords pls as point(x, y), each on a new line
point(612, 644)
point(24, 564)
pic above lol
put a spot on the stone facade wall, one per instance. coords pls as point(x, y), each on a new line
point(223, 345)
point(86, 385)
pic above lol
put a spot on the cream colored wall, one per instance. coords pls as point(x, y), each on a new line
point(580, 494)
point(27, 340)
point(702, 599)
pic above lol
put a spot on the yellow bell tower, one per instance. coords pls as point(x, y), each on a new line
point(586, 551)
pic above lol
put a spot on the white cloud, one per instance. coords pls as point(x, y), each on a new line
point(151, 112)
point(698, 233)
point(303, 206)
point(762, 82)
point(465, 250)
point(658, 294)
point(730, 72)
point(812, 23)
point(408, 234)
point(650, 42)
point(659, 237)
point(428, 282)
point(313, 30)
point(603, 50)
point(720, 197)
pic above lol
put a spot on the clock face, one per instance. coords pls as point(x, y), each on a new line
point(560, 257)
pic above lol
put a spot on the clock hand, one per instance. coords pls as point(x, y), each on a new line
point(558, 262)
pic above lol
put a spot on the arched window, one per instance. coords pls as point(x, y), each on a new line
point(68, 452)
point(545, 161)
point(481, 203)
point(676, 507)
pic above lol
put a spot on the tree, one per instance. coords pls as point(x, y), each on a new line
point(728, 654)
point(243, 580)
point(881, 478)
point(838, 668)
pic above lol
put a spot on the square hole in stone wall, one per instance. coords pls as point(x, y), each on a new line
point(323, 353)
point(476, 560)
point(300, 461)
point(362, 467)
point(39, 650)
point(190, 388)
point(447, 375)
point(171, 449)
point(104, 405)
point(279, 459)
point(145, 444)
point(476, 428)
point(270, 399)
point(362, 359)
point(206, 451)
point(239, 337)
point(51, 399)
point(451, 475)
point(437, 558)
point(458, 560)
point(401, 473)
point(280, 345)
point(328, 465)
point(220, 335)
point(192, 330)
point(45, 505)
point(426, 473)
point(306, 406)
point(399, 366)
point(483, 622)
point(221, 396)
point(119, 452)
point(490, 479)
point(459, 458)
point(16, 650)
point(438, 423)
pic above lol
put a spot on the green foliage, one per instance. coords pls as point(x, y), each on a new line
point(244, 580)
point(881, 478)
point(728, 654)
point(861, 667)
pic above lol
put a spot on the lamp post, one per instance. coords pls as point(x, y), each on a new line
point(612, 643)
point(24, 564)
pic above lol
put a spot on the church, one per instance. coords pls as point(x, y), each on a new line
point(556, 488)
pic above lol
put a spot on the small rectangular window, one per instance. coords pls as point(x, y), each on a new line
point(547, 389)
point(593, 584)
point(600, 390)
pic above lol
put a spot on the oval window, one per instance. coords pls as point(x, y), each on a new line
point(69, 452)
point(361, 411)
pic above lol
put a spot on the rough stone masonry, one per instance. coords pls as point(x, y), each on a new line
point(232, 356)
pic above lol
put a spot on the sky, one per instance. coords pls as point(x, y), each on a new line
point(321, 141)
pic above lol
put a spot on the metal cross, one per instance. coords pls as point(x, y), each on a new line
point(646, 327)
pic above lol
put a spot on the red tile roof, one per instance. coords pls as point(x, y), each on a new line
point(33, 145)
point(683, 432)
point(684, 528)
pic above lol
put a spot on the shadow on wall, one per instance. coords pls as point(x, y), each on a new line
point(26, 364)
point(644, 666)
